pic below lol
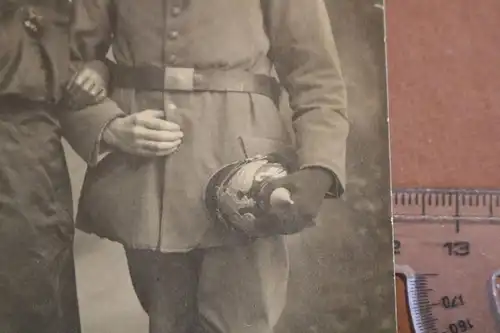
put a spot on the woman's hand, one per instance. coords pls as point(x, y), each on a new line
point(89, 85)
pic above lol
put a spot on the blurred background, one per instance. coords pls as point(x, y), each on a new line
point(342, 271)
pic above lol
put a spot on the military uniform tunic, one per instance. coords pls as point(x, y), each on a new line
point(158, 203)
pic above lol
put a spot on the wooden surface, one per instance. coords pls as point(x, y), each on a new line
point(444, 92)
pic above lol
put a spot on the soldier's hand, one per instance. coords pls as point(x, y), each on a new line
point(307, 189)
point(89, 84)
point(145, 133)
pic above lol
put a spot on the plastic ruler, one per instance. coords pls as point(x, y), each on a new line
point(447, 254)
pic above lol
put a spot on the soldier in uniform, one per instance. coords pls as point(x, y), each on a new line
point(37, 276)
point(193, 89)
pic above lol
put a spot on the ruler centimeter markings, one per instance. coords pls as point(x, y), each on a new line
point(446, 205)
point(418, 301)
point(428, 320)
point(450, 298)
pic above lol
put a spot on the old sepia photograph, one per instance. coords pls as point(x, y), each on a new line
point(194, 166)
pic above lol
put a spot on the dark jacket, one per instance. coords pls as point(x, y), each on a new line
point(37, 277)
point(34, 64)
point(158, 203)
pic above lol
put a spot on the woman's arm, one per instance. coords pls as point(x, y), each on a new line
point(91, 36)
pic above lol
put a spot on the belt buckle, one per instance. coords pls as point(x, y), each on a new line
point(178, 78)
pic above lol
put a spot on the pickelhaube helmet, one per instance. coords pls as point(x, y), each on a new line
point(235, 193)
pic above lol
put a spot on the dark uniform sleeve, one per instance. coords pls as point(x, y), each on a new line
point(91, 37)
point(306, 60)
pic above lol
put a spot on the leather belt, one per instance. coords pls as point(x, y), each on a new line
point(190, 79)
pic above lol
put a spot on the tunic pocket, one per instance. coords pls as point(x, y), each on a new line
point(121, 199)
point(253, 146)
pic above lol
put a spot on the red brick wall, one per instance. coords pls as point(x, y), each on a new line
point(444, 92)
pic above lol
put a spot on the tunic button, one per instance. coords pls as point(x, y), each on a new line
point(176, 11)
point(173, 34)
point(172, 59)
point(171, 107)
point(197, 78)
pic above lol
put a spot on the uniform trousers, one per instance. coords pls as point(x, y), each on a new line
point(238, 289)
